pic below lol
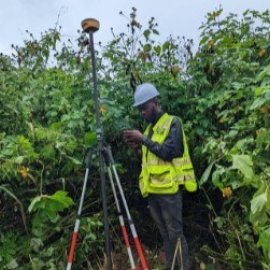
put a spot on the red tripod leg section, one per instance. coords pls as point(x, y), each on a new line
point(125, 236)
point(139, 247)
point(73, 244)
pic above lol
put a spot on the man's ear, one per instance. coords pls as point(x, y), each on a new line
point(155, 100)
point(158, 103)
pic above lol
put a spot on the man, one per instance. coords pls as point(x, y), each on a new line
point(166, 170)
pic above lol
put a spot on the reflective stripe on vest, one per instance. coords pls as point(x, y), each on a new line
point(164, 177)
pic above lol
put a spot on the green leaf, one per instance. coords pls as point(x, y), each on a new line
point(74, 160)
point(258, 102)
point(36, 243)
point(203, 40)
point(244, 164)
point(216, 179)
point(33, 203)
point(258, 219)
point(61, 196)
point(206, 174)
point(232, 134)
point(264, 73)
point(264, 240)
point(166, 45)
point(157, 49)
point(258, 202)
point(259, 91)
point(12, 264)
point(19, 159)
point(147, 48)
point(90, 138)
point(146, 34)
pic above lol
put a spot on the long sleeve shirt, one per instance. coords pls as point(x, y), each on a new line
point(173, 145)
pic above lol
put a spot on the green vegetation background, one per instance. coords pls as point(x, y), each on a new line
point(222, 93)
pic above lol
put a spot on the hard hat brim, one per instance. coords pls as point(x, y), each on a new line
point(136, 104)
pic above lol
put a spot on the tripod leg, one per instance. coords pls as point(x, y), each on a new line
point(131, 223)
point(178, 248)
point(181, 253)
point(121, 221)
point(77, 223)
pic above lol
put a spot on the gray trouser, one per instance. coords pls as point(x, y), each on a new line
point(166, 211)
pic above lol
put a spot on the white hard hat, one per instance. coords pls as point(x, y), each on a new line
point(144, 93)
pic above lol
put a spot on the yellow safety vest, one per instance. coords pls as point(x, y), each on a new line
point(164, 177)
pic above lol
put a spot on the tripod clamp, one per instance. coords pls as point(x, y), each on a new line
point(107, 154)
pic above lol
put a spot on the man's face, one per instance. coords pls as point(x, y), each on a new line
point(148, 111)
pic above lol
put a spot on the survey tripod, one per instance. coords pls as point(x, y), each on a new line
point(105, 156)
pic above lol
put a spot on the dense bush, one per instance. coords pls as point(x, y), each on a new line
point(222, 93)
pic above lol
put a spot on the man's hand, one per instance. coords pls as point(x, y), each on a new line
point(132, 136)
point(133, 139)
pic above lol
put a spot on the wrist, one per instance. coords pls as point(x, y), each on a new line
point(143, 139)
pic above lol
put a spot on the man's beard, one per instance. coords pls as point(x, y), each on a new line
point(151, 119)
